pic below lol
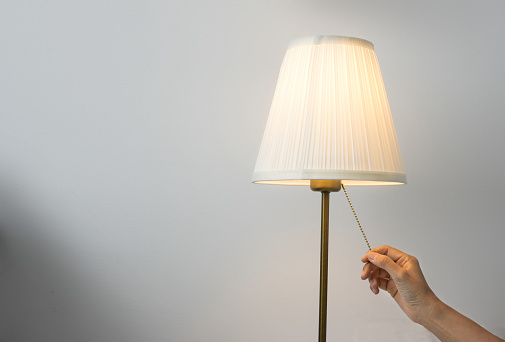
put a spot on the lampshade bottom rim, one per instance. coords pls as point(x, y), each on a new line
point(350, 178)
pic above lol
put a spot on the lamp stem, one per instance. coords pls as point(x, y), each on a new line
point(323, 271)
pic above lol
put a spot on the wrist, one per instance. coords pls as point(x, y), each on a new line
point(432, 311)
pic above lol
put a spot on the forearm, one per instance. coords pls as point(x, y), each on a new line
point(450, 326)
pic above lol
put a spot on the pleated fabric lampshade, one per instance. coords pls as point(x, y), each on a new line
point(330, 118)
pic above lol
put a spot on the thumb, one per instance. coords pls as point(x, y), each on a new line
point(385, 262)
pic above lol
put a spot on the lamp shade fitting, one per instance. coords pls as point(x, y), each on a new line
point(330, 118)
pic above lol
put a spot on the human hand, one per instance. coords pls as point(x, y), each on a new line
point(400, 275)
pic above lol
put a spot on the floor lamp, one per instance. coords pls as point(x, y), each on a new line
point(329, 127)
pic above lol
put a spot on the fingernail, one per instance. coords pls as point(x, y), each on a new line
point(372, 255)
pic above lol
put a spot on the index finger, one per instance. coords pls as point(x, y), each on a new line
point(391, 252)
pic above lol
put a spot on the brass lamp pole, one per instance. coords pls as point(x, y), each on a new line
point(325, 187)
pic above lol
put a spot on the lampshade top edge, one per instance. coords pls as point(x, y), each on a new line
point(329, 39)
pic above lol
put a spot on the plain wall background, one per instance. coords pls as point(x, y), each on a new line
point(128, 134)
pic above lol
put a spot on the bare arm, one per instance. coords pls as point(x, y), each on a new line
point(400, 275)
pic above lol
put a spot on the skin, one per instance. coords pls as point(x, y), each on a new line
point(399, 274)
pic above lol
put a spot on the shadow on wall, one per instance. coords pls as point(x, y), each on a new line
point(45, 295)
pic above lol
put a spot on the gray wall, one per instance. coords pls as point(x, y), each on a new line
point(128, 134)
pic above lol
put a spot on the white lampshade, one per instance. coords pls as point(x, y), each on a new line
point(330, 118)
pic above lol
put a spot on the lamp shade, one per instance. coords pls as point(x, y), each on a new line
point(330, 118)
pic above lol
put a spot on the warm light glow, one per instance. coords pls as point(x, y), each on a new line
point(302, 182)
point(330, 118)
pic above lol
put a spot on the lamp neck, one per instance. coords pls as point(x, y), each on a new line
point(325, 185)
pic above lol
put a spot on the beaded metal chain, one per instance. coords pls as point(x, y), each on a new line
point(356, 216)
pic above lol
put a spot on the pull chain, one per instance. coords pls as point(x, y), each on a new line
point(356, 216)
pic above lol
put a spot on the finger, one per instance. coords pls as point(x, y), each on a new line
point(377, 284)
point(367, 270)
point(391, 252)
point(382, 283)
point(388, 285)
point(383, 274)
point(375, 280)
point(386, 263)
point(374, 288)
point(379, 272)
point(374, 284)
point(365, 257)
